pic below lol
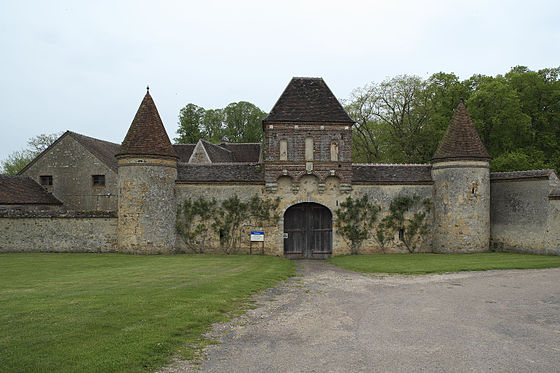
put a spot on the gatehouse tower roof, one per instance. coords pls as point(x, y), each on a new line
point(460, 141)
point(147, 135)
point(308, 100)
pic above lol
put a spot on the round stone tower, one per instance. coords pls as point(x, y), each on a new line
point(461, 175)
point(147, 170)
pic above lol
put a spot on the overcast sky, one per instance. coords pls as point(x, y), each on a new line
point(84, 65)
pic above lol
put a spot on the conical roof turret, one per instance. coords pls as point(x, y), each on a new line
point(146, 135)
point(460, 141)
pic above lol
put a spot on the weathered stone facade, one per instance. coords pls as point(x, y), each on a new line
point(147, 205)
point(306, 163)
point(461, 206)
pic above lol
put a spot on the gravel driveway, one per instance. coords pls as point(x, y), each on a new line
point(332, 320)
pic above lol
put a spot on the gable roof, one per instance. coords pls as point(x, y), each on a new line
point(216, 153)
point(147, 135)
point(308, 100)
point(103, 150)
point(22, 190)
point(244, 152)
point(184, 151)
point(460, 141)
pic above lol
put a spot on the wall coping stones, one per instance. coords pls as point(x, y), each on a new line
point(65, 214)
point(521, 175)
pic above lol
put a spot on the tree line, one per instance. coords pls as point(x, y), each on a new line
point(402, 119)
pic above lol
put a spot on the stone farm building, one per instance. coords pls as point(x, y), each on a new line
point(84, 194)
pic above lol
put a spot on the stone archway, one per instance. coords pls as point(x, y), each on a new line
point(307, 231)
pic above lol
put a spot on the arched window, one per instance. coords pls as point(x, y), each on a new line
point(283, 150)
point(334, 151)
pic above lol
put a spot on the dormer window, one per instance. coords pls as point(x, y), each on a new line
point(283, 150)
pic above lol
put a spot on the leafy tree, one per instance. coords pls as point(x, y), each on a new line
point(243, 122)
point(355, 219)
point(237, 122)
point(19, 159)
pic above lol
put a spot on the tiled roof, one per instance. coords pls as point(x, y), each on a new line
point(512, 175)
point(224, 172)
point(234, 152)
point(216, 153)
point(147, 135)
point(391, 173)
point(184, 151)
point(104, 150)
point(244, 152)
point(461, 141)
point(19, 190)
point(308, 100)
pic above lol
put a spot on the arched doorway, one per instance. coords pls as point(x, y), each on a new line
point(307, 231)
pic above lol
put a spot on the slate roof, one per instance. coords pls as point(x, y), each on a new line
point(512, 175)
point(147, 135)
point(460, 141)
point(184, 151)
point(216, 153)
point(21, 190)
point(238, 152)
point(391, 173)
point(244, 152)
point(308, 100)
point(225, 172)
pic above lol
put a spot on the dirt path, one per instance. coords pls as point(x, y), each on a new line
point(331, 320)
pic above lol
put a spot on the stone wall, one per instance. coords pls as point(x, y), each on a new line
point(72, 166)
point(523, 217)
point(308, 191)
point(57, 231)
point(147, 205)
point(382, 195)
point(461, 206)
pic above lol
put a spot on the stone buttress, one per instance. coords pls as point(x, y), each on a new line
point(147, 170)
point(461, 175)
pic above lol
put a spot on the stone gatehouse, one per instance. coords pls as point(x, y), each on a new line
point(85, 194)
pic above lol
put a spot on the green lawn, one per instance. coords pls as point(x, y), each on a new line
point(119, 313)
point(439, 263)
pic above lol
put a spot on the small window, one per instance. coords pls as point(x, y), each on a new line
point(283, 150)
point(309, 148)
point(98, 180)
point(334, 151)
point(46, 180)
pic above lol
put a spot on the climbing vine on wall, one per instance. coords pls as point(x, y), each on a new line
point(355, 218)
point(411, 229)
point(196, 219)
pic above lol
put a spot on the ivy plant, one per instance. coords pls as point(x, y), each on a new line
point(355, 218)
point(194, 219)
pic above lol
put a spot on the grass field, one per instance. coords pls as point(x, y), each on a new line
point(118, 313)
point(439, 263)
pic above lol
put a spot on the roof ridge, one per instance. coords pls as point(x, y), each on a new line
point(391, 164)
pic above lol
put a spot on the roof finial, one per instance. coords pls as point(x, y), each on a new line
point(147, 89)
point(461, 100)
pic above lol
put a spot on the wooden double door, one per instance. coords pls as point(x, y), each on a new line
point(307, 231)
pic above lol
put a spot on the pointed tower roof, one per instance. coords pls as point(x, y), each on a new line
point(308, 100)
point(460, 141)
point(146, 135)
